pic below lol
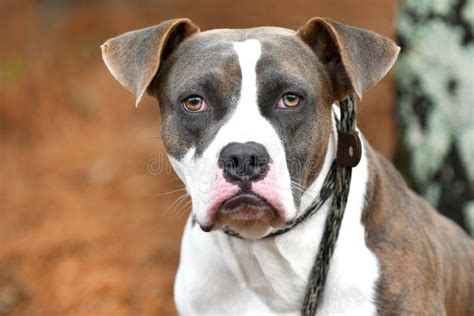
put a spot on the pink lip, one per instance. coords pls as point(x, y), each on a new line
point(254, 204)
point(248, 198)
point(244, 206)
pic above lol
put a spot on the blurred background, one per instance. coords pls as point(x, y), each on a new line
point(89, 222)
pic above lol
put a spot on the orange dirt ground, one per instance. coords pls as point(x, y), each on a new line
point(85, 226)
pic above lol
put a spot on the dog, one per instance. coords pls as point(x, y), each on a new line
point(249, 125)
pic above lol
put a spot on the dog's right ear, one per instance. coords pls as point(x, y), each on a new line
point(133, 58)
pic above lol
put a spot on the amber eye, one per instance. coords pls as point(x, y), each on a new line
point(290, 100)
point(194, 104)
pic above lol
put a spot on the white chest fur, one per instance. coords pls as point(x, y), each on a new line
point(221, 274)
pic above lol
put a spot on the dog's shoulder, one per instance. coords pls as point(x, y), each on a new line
point(425, 259)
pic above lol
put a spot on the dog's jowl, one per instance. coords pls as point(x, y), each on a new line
point(249, 121)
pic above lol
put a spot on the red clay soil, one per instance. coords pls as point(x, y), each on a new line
point(85, 225)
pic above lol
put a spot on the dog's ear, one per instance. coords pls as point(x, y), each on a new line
point(133, 58)
point(356, 58)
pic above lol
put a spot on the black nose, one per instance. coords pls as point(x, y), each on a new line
point(243, 163)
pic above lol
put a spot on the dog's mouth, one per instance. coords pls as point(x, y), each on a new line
point(248, 207)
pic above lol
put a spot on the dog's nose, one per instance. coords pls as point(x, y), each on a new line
point(244, 162)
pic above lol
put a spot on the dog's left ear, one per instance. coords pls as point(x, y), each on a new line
point(133, 58)
point(356, 59)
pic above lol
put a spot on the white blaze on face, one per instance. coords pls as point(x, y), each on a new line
point(202, 176)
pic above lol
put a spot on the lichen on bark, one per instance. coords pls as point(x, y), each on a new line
point(435, 89)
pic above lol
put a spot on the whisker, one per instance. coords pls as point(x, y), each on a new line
point(296, 184)
point(185, 208)
point(182, 199)
point(169, 192)
point(181, 211)
point(175, 203)
point(302, 192)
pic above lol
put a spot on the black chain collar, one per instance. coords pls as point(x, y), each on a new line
point(336, 183)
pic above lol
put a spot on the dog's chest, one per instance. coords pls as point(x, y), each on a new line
point(221, 274)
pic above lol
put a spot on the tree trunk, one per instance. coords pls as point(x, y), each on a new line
point(435, 90)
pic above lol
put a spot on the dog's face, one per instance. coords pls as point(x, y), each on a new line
point(246, 114)
point(233, 103)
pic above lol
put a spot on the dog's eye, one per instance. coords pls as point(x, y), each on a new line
point(290, 100)
point(194, 104)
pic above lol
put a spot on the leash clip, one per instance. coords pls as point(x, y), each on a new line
point(349, 149)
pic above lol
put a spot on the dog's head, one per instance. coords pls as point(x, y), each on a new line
point(246, 114)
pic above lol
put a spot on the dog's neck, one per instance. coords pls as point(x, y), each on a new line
point(276, 270)
point(314, 189)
